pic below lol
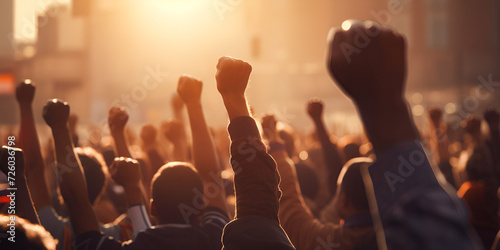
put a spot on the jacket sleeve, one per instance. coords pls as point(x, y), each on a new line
point(416, 211)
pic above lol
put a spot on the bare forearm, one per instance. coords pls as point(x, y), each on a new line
point(236, 106)
point(204, 154)
point(330, 155)
point(23, 201)
point(121, 146)
point(72, 184)
point(387, 123)
point(28, 140)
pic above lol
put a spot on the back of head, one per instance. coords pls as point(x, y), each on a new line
point(177, 193)
point(95, 170)
point(25, 235)
point(352, 185)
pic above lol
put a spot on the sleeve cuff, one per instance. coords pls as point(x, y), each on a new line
point(243, 126)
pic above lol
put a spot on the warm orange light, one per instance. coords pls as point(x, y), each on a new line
point(6, 84)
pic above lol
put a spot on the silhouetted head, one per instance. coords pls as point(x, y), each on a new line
point(176, 194)
point(95, 170)
point(351, 194)
point(27, 235)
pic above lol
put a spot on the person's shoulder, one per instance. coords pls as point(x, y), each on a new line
point(214, 216)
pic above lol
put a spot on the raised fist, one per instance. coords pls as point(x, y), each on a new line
point(436, 115)
point(232, 76)
point(173, 130)
point(117, 118)
point(56, 113)
point(189, 89)
point(315, 108)
point(472, 125)
point(25, 92)
point(367, 61)
point(269, 127)
point(492, 117)
point(126, 171)
point(148, 134)
point(12, 160)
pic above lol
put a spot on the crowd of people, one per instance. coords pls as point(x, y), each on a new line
point(189, 186)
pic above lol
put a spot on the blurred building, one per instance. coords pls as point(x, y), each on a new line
point(130, 53)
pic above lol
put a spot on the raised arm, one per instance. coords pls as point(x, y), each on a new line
point(256, 224)
point(439, 140)
point(127, 172)
point(71, 179)
point(28, 141)
point(406, 197)
point(12, 164)
point(176, 134)
point(117, 119)
point(330, 153)
point(299, 223)
point(492, 117)
point(204, 153)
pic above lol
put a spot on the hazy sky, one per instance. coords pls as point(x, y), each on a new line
point(24, 16)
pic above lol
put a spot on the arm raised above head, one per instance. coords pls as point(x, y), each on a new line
point(70, 174)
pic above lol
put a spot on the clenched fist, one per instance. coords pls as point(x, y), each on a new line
point(25, 92)
point(56, 113)
point(269, 127)
point(492, 117)
point(173, 130)
point(126, 172)
point(117, 118)
point(367, 61)
point(315, 108)
point(189, 89)
point(232, 76)
point(436, 115)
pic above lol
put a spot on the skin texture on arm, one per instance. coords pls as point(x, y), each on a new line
point(204, 153)
point(28, 141)
point(330, 153)
point(71, 179)
point(12, 164)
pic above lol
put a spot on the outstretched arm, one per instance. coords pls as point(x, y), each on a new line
point(401, 179)
point(71, 179)
point(28, 141)
point(12, 164)
point(204, 154)
point(330, 153)
point(256, 177)
point(127, 172)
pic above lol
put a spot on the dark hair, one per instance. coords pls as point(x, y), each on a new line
point(308, 180)
point(352, 183)
point(28, 236)
point(95, 171)
point(174, 190)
